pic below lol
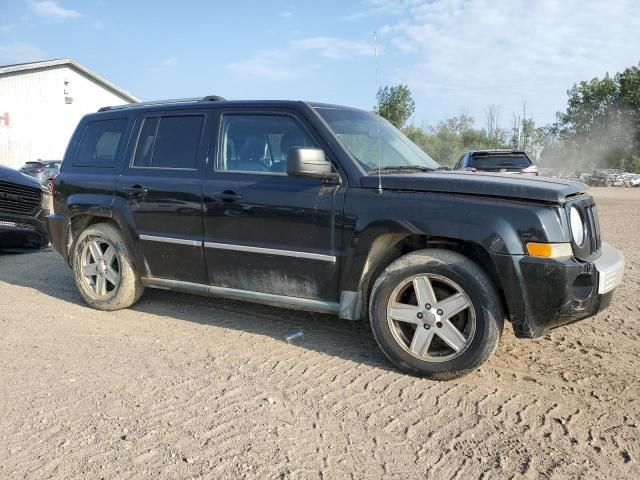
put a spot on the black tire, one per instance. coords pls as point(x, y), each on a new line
point(129, 289)
point(474, 282)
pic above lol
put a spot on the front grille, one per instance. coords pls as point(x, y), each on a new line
point(18, 200)
point(24, 226)
point(593, 227)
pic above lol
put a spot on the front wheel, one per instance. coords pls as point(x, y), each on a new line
point(435, 313)
point(104, 270)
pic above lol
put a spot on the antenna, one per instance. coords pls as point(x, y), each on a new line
point(375, 52)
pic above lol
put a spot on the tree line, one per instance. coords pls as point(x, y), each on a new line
point(600, 127)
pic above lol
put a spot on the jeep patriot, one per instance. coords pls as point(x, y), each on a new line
point(327, 209)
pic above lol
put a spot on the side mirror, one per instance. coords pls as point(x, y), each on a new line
point(310, 163)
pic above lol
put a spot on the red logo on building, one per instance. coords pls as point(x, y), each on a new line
point(4, 119)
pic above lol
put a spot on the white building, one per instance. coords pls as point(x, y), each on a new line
point(41, 104)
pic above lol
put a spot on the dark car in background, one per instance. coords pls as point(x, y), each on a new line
point(42, 170)
point(24, 207)
point(497, 161)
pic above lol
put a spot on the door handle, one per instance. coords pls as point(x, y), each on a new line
point(135, 191)
point(226, 196)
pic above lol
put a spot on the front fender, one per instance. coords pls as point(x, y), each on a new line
point(497, 226)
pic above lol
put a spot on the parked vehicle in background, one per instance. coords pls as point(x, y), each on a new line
point(24, 207)
point(497, 161)
point(329, 209)
point(608, 177)
point(42, 170)
point(618, 180)
point(599, 177)
point(585, 178)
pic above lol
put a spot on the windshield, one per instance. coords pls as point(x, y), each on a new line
point(500, 161)
point(358, 132)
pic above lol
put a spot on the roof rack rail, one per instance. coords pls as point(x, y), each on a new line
point(208, 98)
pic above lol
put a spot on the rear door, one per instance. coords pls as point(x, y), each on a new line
point(162, 183)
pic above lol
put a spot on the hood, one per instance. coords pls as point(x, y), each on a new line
point(13, 176)
point(485, 184)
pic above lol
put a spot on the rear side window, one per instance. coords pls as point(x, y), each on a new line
point(100, 143)
point(169, 142)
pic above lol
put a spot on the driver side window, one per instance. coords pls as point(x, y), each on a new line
point(259, 143)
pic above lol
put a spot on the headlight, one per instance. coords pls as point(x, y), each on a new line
point(577, 226)
point(47, 201)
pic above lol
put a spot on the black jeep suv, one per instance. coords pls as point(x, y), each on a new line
point(328, 209)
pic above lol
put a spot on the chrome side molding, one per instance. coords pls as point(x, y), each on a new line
point(241, 248)
point(271, 251)
point(283, 301)
point(178, 241)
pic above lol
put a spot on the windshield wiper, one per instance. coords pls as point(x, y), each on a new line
point(402, 168)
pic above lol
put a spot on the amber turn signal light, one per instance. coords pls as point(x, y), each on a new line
point(550, 250)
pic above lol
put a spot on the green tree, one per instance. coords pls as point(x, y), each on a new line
point(450, 138)
point(494, 132)
point(395, 104)
point(601, 125)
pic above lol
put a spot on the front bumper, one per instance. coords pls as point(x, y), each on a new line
point(610, 267)
point(23, 231)
point(542, 294)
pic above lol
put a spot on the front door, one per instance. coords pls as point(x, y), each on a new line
point(265, 231)
point(163, 185)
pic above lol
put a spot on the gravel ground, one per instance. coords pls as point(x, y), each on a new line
point(187, 387)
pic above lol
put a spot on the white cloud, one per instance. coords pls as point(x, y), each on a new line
point(169, 62)
point(51, 9)
point(285, 64)
point(285, 14)
point(335, 48)
point(19, 52)
point(381, 7)
point(6, 29)
point(268, 65)
point(472, 53)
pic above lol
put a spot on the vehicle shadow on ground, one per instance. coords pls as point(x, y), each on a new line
point(8, 251)
point(47, 273)
point(322, 333)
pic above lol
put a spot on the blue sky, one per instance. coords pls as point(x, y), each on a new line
point(456, 55)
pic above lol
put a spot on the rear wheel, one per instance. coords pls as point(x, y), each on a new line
point(103, 269)
point(435, 313)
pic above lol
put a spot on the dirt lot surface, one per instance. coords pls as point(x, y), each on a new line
point(188, 387)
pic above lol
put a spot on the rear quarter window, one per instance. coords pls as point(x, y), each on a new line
point(499, 161)
point(100, 143)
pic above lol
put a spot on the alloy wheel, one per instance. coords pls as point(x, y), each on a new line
point(431, 317)
point(100, 267)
